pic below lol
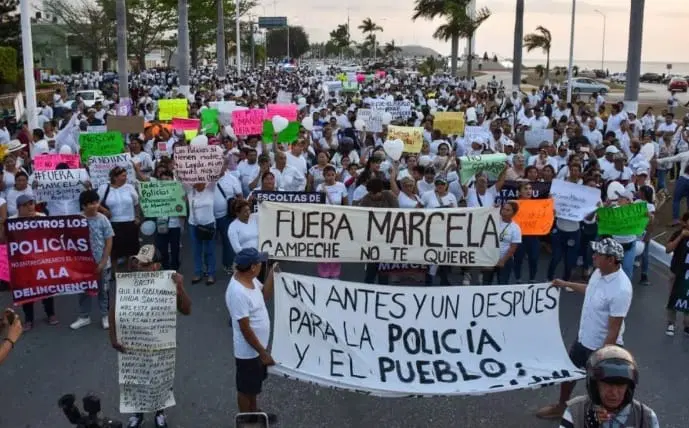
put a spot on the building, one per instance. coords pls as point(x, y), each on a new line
point(53, 50)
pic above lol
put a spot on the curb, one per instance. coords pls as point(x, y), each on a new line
point(657, 252)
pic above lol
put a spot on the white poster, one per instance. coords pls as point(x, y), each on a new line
point(100, 166)
point(476, 133)
point(59, 185)
point(574, 201)
point(328, 233)
point(534, 137)
point(402, 341)
point(284, 97)
point(372, 118)
point(146, 321)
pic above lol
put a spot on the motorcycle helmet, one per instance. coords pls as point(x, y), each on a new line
point(611, 364)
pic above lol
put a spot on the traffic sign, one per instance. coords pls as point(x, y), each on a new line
point(272, 21)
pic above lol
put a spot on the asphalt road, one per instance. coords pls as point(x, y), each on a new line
point(51, 361)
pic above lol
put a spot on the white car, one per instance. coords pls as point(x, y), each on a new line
point(619, 78)
point(584, 85)
point(89, 97)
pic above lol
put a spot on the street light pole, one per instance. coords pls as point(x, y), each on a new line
point(636, 32)
point(517, 54)
point(239, 42)
point(122, 56)
point(602, 61)
point(27, 54)
point(571, 53)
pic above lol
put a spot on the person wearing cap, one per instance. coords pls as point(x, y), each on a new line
point(607, 298)
point(619, 172)
point(612, 377)
point(148, 259)
point(440, 197)
point(607, 162)
point(246, 299)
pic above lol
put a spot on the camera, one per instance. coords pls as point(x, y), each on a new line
point(91, 407)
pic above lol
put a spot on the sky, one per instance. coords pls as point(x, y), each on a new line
point(664, 22)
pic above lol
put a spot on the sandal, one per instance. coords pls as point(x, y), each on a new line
point(210, 280)
point(196, 280)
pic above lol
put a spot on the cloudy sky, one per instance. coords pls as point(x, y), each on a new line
point(665, 21)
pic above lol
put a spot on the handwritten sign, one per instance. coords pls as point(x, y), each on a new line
point(162, 198)
point(209, 121)
point(198, 164)
point(473, 134)
point(488, 344)
point(167, 109)
point(491, 165)
point(182, 124)
point(410, 135)
point(350, 86)
point(373, 119)
point(449, 123)
point(288, 135)
point(104, 144)
point(50, 162)
point(630, 219)
point(100, 167)
point(329, 233)
point(574, 201)
point(284, 97)
point(288, 111)
point(534, 137)
point(126, 124)
point(535, 216)
point(248, 122)
point(59, 185)
point(4, 263)
point(287, 197)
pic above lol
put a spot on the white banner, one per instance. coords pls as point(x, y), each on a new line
point(329, 233)
point(146, 321)
point(400, 341)
point(574, 201)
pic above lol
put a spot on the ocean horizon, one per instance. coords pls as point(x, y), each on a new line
point(616, 66)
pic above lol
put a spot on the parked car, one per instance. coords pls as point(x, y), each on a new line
point(584, 85)
point(668, 77)
point(619, 77)
point(651, 78)
point(89, 97)
point(678, 84)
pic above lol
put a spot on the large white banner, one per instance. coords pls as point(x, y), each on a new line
point(574, 201)
point(401, 341)
point(328, 233)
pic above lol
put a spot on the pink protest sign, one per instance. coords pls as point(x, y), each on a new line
point(50, 162)
point(248, 122)
point(288, 111)
point(179, 124)
point(360, 78)
point(4, 263)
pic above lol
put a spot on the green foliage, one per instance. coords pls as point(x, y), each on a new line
point(339, 37)
point(9, 24)
point(277, 42)
point(541, 39)
point(8, 65)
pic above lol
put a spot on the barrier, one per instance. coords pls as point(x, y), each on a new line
point(657, 252)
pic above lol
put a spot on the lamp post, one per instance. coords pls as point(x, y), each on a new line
point(571, 53)
point(27, 53)
point(238, 39)
point(602, 60)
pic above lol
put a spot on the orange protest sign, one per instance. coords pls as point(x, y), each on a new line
point(535, 216)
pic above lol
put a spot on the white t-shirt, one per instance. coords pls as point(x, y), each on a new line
point(243, 235)
point(249, 303)
point(232, 188)
point(430, 200)
point(297, 162)
point(508, 234)
point(359, 193)
point(335, 192)
point(407, 202)
point(201, 205)
point(121, 202)
point(606, 296)
point(486, 200)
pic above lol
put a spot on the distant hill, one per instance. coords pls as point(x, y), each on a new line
point(416, 50)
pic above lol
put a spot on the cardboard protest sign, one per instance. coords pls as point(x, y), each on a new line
point(162, 198)
point(50, 162)
point(491, 165)
point(476, 134)
point(50, 256)
point(449, 122)
point(372, 118)
point(248, 122)
point(410, 135)
point(146, 319)
point(288, 111)
point(126, 124)
point(287, 197)
point(284, 97)
point(198, 164)
point(288, 135)
point(574, 201)
point(100, 167)
point(59, 185)
point(225, 109)
point(350, 86)
point(167, 109)
point(104, 144)
point(209, 121)
point(182, 124)
point(535, 216)
point(534, 137)
point(630, 219)
point(329, 233)
point(401, 341)
point(4, 263)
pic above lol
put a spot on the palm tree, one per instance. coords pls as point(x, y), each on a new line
point(391, 49)
point(370, 27)
point(541, 39)
point(540, 70)
point(429, 66)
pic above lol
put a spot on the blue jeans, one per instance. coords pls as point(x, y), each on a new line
point(565, 246)
point(661, 174)
point(628, 262)
point(528, 248)
point(503, 274)
point(681, 192)
point(221, 225)
point(202, 250)
point(103, 297)
point(644, 259)
point(168, 245)
point(585, 248)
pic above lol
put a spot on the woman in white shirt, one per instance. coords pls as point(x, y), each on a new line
point(406, 192)
point(20, 187)
point(480, 195)
point(509, 238)
point(439, 198)
point(335, 194)
point(243, 231)
point(315, 177)
point(139, 156)
point(201, 198)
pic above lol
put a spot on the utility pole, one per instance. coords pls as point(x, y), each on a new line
point(239, 40)
point(636, 32)
point(602, 59)
point(122, 56)
point(220, 41)
point(27, 55)
point(571, 52)
point(518, 39)
point(253, 48)
point(288, 57)
point(183, 46)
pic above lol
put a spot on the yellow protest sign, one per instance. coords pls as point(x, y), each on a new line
point(410, 135)
point(341, 77)
point(167, 109)
point(190, 133)
point(449, 122)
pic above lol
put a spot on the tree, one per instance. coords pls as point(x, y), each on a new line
point(485, 56)
point(429, 66)
point(391, 49)
point(339, 38)
point(575, 70)
point(495, 58)
point(369, 27)
point(10, 27)
point(540, 70)
point(277, 42)
point(541, 39)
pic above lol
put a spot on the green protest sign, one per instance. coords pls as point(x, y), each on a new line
point(101, 144)
point(209, 120)
point(630, 219)
point(491, 165)
point(288, 135)
point(162, 198)
point(350, 86)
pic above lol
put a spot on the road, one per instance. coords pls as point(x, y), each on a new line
point(51, 361)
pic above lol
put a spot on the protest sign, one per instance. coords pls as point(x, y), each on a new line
point(284, 97)
point(50, 256)
point(96, 129)
point(104, 144)
point(288, 111)
point(476, 134)
point(162, 198)
point(535, 216)
point(146, 320)
point(410, 135)
point(534, 137)
point(48, 162)
point(4, 263)
point(491, 165)
point(574, 201)
point(630, 219)
point(167, 109)
point(460, 236)
point(412, 341)
point(59, 185)
point(182, 124)
point(225, 109)
point(198, 164)
point(288, 135)
point(350, 86)
point(332, 86)
point(287, 197)
point(510, 190)
point(126, 124)
point(400, 109)
point(373, 119)
point(100, 166)
point(209, 121)
point(449, 122)
point(248, 122)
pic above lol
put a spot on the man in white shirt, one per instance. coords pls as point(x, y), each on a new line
point(248, 170)
point(538, 121)
point(4, 133)
point(227, 189)
point(287, 177)
point(607, 163)
point(607, 298)
point(594, 135)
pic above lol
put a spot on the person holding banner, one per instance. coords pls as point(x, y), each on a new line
point(434, 199)
point(510, 238)
point(377, 197)
point(678, 246)
point(19, 188)
point(566, 237)
point(335, 194)
point(529, 246)
point(243, 231)
point(407, 196)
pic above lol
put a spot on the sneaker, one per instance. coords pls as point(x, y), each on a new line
point(670, 330)
point(79, 323)
point(136, 421)
point(644, 280)
point(105, 322)
point(160, 420)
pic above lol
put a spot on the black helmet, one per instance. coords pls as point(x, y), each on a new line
point(611, 364)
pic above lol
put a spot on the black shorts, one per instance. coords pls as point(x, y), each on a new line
point(579, 354)
point(250, 375)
